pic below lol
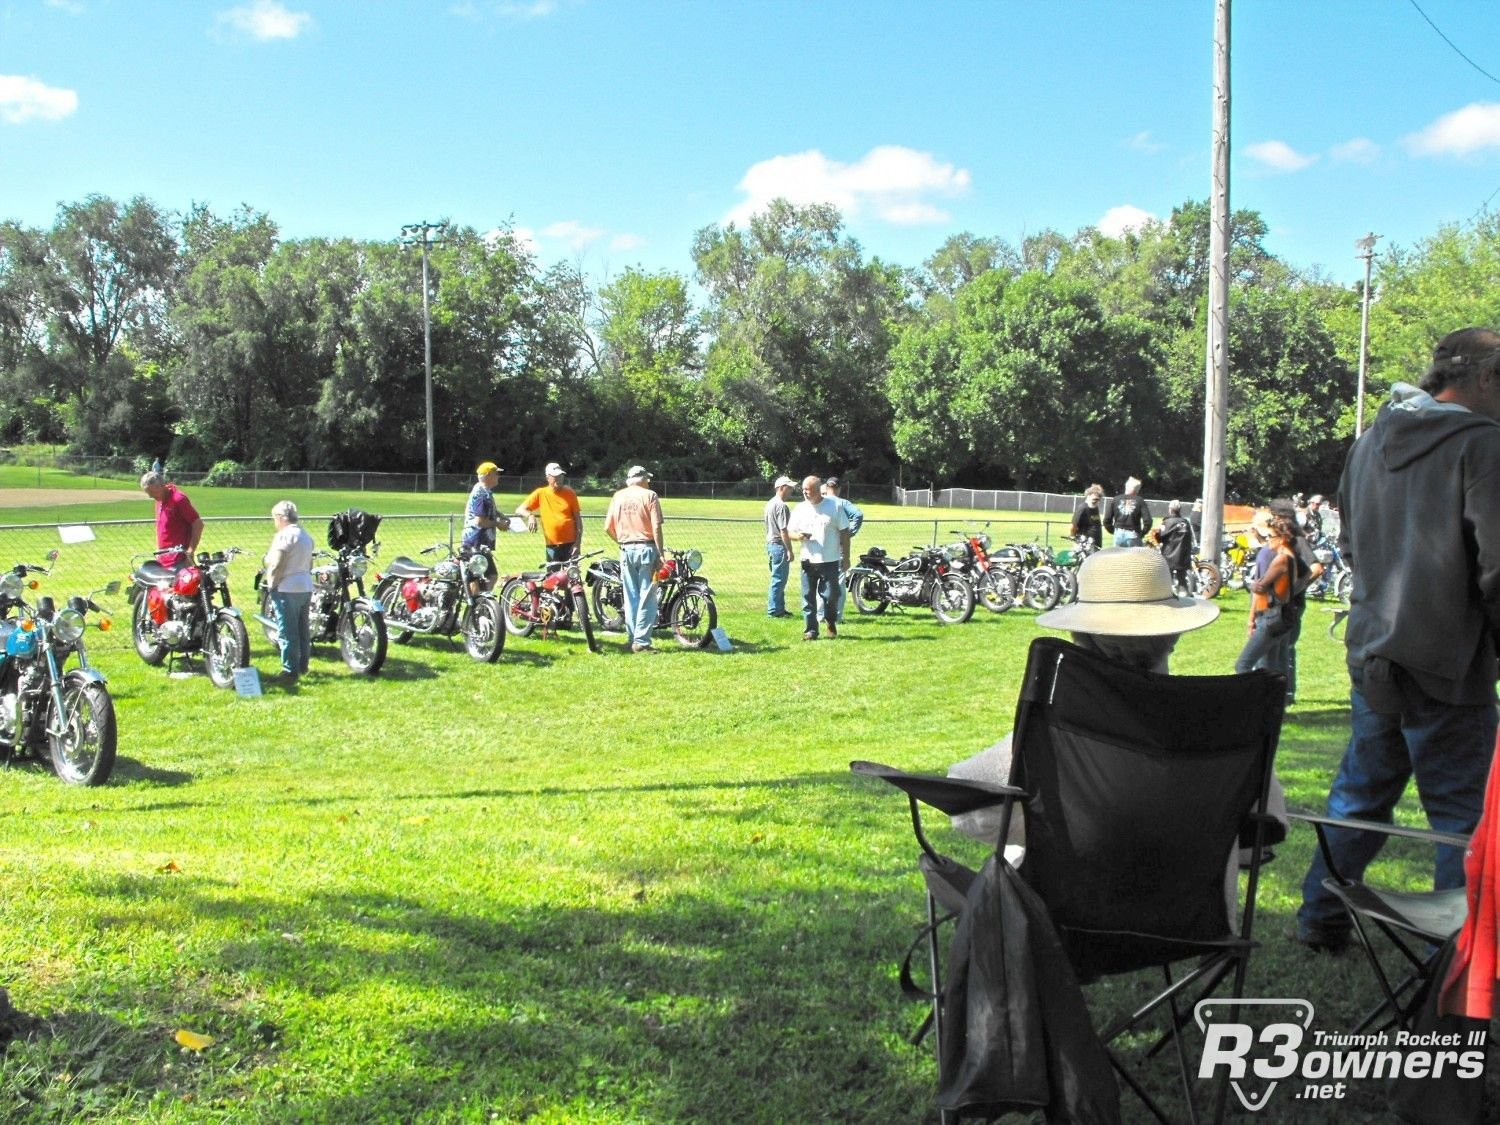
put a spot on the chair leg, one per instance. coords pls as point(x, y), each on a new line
point(935, 967)
point(1176, 1033)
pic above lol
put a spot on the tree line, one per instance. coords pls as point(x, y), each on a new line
point(205, 337)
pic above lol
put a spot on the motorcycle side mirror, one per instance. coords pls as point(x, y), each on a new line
point(53, 554)
point(113, 588)
point(79, 604)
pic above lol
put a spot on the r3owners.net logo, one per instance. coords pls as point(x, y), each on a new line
point(1282, 1049)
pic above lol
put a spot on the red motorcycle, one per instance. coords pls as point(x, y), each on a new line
point(994, 586)
point(550, 597)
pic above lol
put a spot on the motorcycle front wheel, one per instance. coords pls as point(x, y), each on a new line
point(609, 605)
point(388, 594)
point(484, 632)
point(692, 618)
point(1067, 585)
point(83, 751)
point(143, 633)
point(581, 609)
point(1209, 582)
point(1343, 586)
point(868, 592)
point(226, 648)
point(515, 602)
point(995, 591)
point(1040, 591)
point(362, 638)
point(952, 599)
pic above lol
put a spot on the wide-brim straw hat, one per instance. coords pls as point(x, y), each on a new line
point(1127, 592)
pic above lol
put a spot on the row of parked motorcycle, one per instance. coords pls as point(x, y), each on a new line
point(56, 706)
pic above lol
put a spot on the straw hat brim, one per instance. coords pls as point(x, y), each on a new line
point(1132, 619)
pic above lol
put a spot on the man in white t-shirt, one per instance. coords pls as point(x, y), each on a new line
point(821, 525)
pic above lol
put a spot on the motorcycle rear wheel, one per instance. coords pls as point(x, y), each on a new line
point(84, 753)
point(952, 599)
point(515, 602)
point(484, 632)
point(226, 648)
point(608, 597)
point(362, 639)
point(868, 592)
point(1209, 581)
point(1067, 585)
point(692, 618)
point(1040, 591)
point(388, 593)
point(268, 611)
point(995, 591)
point(141, 632)
point(1344, 586)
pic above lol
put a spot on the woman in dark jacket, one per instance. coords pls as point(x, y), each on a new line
point(1088, 522)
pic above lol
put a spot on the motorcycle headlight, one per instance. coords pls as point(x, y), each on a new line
point(219, 573)
point(693, 559)
point(479, 565)
point(358, 564)
point(984, 542)
point(10, 585)
point(956, 551)
point(67, 626)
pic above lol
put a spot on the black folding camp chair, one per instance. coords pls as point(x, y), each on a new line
point(1138, 789)
point(1416, 923)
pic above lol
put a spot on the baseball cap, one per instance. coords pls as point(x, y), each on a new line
point(486, 467)
point(553, 469)
point(637, 472)
point(784, 481)
point(831, 482)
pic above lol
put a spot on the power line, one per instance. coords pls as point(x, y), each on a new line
point(1452, 44)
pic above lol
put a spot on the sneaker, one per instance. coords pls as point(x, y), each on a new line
point(642, 648)
point(810, 635)
point(833, 629)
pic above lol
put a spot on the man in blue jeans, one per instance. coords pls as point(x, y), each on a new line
point(1420, 502)
point(778, 546)
point(634, 522)
point(822, 527)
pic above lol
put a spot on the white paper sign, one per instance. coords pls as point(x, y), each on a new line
point(721, 638)
point(76, 533)
point(247, 682)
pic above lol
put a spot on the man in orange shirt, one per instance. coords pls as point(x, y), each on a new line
point(562, 521)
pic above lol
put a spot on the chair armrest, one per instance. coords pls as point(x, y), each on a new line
point(1430, 835)
point(951, 795)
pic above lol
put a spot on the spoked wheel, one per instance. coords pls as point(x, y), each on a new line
point(1209, 581)
point(484, 634)
point(268, 611)
point(388, 593)
point(868, 592)
point(226, 648)
point(1039, 590)
point(693, 618)
point(1067, 585)
point(581, 611)
point(362, 638)
point(1231, 575)
point(143, 633)
point(1344, 586)
point(609, 605)
point(515, 603)
point(995, 591)
point(83, 750)
point(952, 599)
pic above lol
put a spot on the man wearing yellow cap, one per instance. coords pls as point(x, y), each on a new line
point(480, 515)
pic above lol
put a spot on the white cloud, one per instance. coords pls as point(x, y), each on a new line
point(1279, 156)
point(1464, 131)
point(891, 181)
point(1360, 150)
point(26, 99)
point(1117, 220)
point(574, 233)
point(1144, 142)
point(535, 10)
point(524, 238)
point(263, 20)
point(626, 242)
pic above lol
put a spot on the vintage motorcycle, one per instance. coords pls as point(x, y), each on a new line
point(924, 577)
point(186, 610)
point(1336, 578)
point(46, 708)
point(445, 598)
point(1033, 574)
point(340, 610)
point(686, 605)
point(993, 585)
point(549, 598)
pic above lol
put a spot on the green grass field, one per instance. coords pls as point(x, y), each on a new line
point(566, 887)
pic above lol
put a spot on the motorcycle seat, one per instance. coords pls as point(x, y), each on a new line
point(533, 575)
point(150, 573)
point(403, 567)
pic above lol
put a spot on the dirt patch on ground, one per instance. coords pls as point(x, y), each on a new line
point(56, 497)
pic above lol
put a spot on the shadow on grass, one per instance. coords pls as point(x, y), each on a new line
point(131, 770)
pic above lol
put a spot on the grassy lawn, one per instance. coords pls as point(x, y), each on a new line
point(565, 887)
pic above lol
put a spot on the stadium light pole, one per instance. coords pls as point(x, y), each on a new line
point(426, 235)
point(1366, 247)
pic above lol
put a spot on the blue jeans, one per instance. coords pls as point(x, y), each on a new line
point(295, 641)
point(1127, 539)
point(819, 580)
point(780, 562)
point(638, 562)
point(1447, 746)
point(1261, 650)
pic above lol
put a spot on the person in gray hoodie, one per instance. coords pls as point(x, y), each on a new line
point(1420, 500)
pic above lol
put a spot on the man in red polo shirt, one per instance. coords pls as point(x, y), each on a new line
point(177, 521)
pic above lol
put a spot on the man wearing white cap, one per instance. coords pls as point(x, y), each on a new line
point(634, 522)
point(561, 518)
point(778, 546)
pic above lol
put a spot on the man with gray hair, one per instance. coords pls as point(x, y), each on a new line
point(288, 579)
point(1421, 530)
point(178, 525)
point(1127, 518)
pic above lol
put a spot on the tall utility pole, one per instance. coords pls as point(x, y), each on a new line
point(1216, 381)
point(1366, 247)
point(426, 235)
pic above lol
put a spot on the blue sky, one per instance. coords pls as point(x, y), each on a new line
point(609, 131)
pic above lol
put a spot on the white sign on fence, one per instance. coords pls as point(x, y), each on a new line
point(75, 533)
